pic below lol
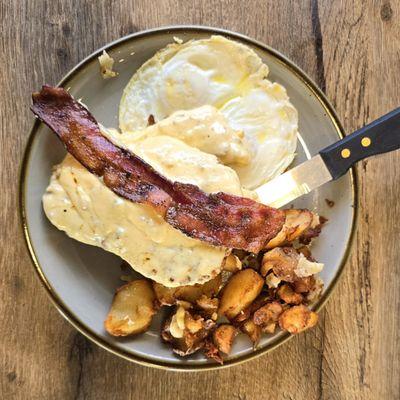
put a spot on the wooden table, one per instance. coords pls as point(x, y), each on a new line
point(352, 50)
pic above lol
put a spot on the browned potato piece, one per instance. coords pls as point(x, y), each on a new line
point(252, 330)
point(288, 295)
point(304, 285)
point(268, 314)
point(283, 262)
point(269, 328)
point(297, 319)
point(223, 337)
point(260, 301)
point(132, 309)
point(232, 263)
point(193, 325)
point(240, 291)
point(168, 296)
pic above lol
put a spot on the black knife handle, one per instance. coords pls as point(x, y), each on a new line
point(380, 136)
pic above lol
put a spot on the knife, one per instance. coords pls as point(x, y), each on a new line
point(380, 136)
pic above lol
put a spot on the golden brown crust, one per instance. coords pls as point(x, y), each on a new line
point(132, 309)
point(304, 285)
point(282, 261)
point(169, 296)
point(288, 295)
point(223, 337)
point(267, 314)
point(297, 319)
point(240, 291)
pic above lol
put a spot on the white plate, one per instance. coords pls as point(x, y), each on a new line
point(81, 279)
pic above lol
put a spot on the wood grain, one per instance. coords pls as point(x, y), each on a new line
point(352, 50)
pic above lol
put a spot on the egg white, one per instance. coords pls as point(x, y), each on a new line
point(229, 76)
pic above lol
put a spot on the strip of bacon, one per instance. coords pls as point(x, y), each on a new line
point(220, 219)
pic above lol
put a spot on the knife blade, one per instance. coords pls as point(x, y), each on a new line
point(380, 136)
point(294, 183)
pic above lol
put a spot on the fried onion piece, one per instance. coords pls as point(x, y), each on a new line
point(282, 261)
point(303, 225)
point(186, 332)
point(288, 265)
point(297, 319)
point(305, 250)
point(220, 219)
point(211, 351)
point(288, 295)
point(272, 280)
point(315, 292)
point(232, 263)
point(208, 306)
point(314, 230)
point(240, 291)
point(132, 309)
point(106, 66)
point(169, 296)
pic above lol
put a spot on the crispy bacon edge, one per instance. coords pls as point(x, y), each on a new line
point(220, 219)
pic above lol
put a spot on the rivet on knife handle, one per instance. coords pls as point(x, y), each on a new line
point(380, 136)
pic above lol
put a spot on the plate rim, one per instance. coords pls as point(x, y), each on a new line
point(58, 302)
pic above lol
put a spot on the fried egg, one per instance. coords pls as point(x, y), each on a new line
point(204, 128)
point(230, 77)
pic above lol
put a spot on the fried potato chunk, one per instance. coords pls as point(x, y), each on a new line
point(240, 291)
point(260, 301)
point(252, 330)
point(169, 296)
point(304, 285)
point(132, 309)
point(297, 319)
point(223, 337)
point(268, 314)
point(269, 328)
point(288, 295)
